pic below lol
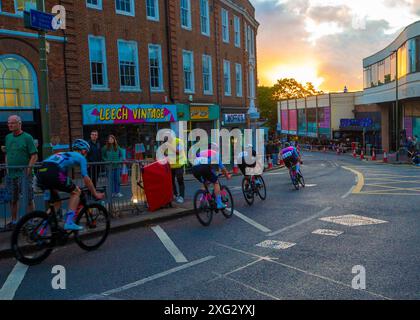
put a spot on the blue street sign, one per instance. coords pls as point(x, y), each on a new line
point(41, 20)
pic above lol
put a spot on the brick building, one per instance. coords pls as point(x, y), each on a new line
point(130, 67)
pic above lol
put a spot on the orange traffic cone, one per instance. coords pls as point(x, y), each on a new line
point(354, 153)
point(270, 163)
point(362, 155)
point(373, 155)
point(385, 157)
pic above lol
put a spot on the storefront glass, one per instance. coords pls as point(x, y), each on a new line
point(302, 122)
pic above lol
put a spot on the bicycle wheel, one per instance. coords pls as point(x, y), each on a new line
point(301, 179)
point(202, 208)
point(95, 221)
point(32, 239)
point(228, 201)
point(247, 191)
point(295, 182)
point(261, 189)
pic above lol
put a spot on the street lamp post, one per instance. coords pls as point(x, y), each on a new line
point(43, 93)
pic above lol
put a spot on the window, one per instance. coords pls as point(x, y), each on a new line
point(188, 62)
point(381, 72)
point(207, 75)
point(374, 72)
point(402, 61)
point(128, 63)
point(225, 25)
point(412, 55)
point(387, 70)
point(18, 83)
point(152, 9)
point(155, 67)
point(204, 17)
point(125, 7)
point(251, 81)
point(238, 73)
point(94, 4)
point(186, 14)
point(393, 67)
point(246, 37)
point(24, 5)
point(97, 56)
point(237, 25)
point(226, 77)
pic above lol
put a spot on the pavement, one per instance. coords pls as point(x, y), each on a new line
point(352, 233)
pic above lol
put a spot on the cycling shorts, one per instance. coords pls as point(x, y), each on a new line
point(204, 173)
point(290, 161)
point(50, 176)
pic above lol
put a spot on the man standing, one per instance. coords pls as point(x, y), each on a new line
point(94, 155)
point(20, 151)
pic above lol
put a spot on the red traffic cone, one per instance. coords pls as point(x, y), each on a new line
point(235, 169)
point(124, 175)
point(354, 153)
point(385, 157)
point(373, 155)
point(362, 155)
point(270, 163)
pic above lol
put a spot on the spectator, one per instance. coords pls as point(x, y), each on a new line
point(111, 152)
point(270, 150)
point(20, 151)
point(276, 151)
point(94, 155)
point(176, 147)
point(416, 143)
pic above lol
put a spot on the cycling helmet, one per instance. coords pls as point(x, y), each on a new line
point(81, 144)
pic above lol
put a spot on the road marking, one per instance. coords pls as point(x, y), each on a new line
point(13, 282)
point(360, 180)
point(156, 276)
point(251, 222)
point(274, 173)
point(348, 193)
point(300, 222)
point(306, 272)
point(310, 185)
point(169, 245)
point(327, 232)
point(252, 288)
point(352, 220)
point(274, 244)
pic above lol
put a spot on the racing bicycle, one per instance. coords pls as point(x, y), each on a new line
point(252, 185)
point(296, 177)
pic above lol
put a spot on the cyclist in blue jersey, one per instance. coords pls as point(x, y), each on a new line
point(291, 157)
point(203, 170)
point(53, 175)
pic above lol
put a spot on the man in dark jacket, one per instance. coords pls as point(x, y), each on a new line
point(94, 155)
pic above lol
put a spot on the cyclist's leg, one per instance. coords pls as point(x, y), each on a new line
point(65, 184)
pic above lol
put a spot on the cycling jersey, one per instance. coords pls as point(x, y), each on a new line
point(290, 156)
point(209, 157)
point(66, 160)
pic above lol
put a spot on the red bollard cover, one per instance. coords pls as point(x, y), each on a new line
point(157, 181)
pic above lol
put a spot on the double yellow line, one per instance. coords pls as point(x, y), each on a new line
point(360, 180)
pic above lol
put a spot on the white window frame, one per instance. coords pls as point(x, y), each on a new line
point(237, 28)
point(159, 48)
point(132, 13)
point(207, 17)
point(226, 65)
point(103, 87)
point(92, 6)
point(239, 88)
point(137, 88)
point(208, 58)
point(191, 53)
point(225, 25)
point(156, 18)
point(189, 26)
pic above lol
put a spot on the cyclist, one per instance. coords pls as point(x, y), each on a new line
point(291, 157)
point(203, 170)
point(248, 163)
point(53, 175)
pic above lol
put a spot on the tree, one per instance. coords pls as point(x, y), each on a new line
point(289, 88)
point(267, 105)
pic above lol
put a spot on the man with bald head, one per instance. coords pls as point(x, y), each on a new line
point(20, 151)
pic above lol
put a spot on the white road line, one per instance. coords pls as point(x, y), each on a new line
point(13, 282)
point(156, 276)
point(253, 289)
point(251, 222)
point(300, 222)
point(348, 193)
point(169, 245)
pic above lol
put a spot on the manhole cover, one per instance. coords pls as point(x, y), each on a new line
point(352, 220)
point(274, 244)
point(326, 232)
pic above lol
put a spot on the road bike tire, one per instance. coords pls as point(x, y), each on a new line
point(88, 218)
point(25, 254)
point(248, 194)
point(301, 179)
point(227, 199)
point(263, 195)
point(295, 182)
point(202, 208)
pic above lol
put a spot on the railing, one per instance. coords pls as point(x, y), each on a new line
point(124, 193)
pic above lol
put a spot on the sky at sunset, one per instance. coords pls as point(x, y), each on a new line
point(325, 41)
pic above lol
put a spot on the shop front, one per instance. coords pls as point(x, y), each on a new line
point(412, 119)
point(134, 126)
